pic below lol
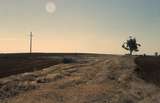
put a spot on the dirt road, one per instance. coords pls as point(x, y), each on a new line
point(98, 79)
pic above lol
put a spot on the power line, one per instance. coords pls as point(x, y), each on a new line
point(31, 36)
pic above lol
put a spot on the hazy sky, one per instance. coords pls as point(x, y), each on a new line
point(79, 25)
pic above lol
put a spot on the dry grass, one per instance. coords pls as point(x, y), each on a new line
point(102, 79)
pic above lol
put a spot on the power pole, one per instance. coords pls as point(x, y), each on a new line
point(31, 35)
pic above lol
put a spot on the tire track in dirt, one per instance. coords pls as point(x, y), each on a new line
point(75, 75)
point(107, 79)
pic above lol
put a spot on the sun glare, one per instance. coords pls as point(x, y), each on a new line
point(50, 7)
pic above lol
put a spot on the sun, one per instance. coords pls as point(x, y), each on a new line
point(50, 7)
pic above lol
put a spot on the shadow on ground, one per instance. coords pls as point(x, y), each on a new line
point(148, 68)
point(11, 64)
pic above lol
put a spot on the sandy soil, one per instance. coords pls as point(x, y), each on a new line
point(94, 79)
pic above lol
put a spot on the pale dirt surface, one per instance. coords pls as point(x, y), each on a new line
point(97, 79)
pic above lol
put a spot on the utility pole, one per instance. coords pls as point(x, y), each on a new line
point(31, 35)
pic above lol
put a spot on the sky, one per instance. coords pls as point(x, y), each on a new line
point(95, 26)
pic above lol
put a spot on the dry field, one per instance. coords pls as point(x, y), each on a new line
point(82, 78)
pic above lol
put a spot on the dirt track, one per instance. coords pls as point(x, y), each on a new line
point(97, 79)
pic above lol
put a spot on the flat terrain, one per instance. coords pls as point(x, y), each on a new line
point(148, 68)
point(11, 64)
point(84, 78)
